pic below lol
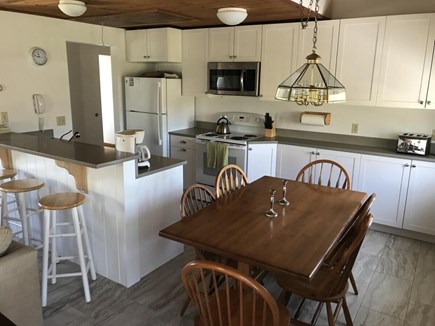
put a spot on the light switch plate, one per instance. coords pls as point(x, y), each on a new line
point(4, 117)
point(354, 128)
point(60, 121)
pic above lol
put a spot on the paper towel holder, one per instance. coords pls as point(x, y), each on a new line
point(315, 118)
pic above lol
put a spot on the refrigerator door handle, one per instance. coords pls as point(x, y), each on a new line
point(136, 111)
point(159, 116)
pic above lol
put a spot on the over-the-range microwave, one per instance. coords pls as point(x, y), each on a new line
point(233, 78)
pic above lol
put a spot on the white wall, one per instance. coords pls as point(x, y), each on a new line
point(21, 78)
point(373, 121)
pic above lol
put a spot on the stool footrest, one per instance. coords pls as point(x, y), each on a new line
point(65, 275)
point(63, 235)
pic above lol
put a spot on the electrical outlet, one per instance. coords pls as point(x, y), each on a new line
point(60, 120)
point(4, 117)
point(354, 128)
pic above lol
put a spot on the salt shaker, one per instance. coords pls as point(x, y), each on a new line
point(271, 212)
point(283, 201)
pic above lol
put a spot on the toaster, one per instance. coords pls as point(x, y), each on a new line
point(414, 143)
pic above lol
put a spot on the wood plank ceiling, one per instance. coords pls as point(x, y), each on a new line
point(134, 14)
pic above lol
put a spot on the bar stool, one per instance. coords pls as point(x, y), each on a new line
point(19, 188)
point(51, 204)
point(7, 174)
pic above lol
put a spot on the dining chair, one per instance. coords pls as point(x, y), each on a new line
point(195, 198)
point(331, 174)
point(238, 301)
point(325, 173)
point(330, 284)
point(230, 178)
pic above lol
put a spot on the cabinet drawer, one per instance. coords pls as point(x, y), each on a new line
point(181, 141)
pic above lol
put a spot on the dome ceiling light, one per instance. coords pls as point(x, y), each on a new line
point(232, 16)
point(72, 8)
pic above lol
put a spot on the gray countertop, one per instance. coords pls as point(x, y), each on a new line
point(80, 153)
point(346, 143)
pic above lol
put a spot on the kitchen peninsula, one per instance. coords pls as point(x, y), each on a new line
point(125, 206)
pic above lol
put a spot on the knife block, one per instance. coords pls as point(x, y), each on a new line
point(270, 133)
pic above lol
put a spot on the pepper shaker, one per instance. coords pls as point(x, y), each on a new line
point(283, 201)
point(271, 212)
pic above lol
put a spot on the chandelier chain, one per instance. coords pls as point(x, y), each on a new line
point(304, 23)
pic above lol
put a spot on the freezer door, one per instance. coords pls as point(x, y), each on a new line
point(156, 131)
point(145, 94)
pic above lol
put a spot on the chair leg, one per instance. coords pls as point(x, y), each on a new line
point(45, 256)
point(53, 248)
point(83, 269)
point(87, 243)
point(284, 297)
point(4, 210)
point(346, 312)
point(352, 281)
point(23, 216)
point(331, 319)
point(185, 305)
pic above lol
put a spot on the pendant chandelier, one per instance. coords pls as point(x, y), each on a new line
point(312, 83)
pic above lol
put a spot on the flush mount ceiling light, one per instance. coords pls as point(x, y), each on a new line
point(232, 16)
point(312, 83)
point(72, 8)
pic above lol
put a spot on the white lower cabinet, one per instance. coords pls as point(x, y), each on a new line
point(404, 192)
point(183, 148)
point(261, 160)
point(291, 159)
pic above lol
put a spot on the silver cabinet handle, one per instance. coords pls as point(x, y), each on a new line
point(421, 102)
point(428, 102)
point(317, 153)
point(250, 148)
point(182, 141)
point(413, 166)
point(182, 150)
point(406, 165)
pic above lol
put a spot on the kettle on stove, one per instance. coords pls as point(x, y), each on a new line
point(223, 125)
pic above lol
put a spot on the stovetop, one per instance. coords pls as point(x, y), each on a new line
point(232, 138)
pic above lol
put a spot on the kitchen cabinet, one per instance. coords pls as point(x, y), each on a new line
point(291, 159)
point(153, 45)
point(194, 64)
point(404, 190)
point(407, 58)
point(183, 148)
point(359, 45)
point(278, 56)
point(261, 160)
point(327, 42)
point(240, 43)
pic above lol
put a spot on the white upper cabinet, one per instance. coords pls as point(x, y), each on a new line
point(406, 61)
point(194, 64)
point(153, 45)
point(278, 56)
point(327, 40)
point(359, 57)
point(241, 43)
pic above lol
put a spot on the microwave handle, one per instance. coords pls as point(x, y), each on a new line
point(242, 80)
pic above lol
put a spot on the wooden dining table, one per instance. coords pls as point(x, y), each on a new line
point(296, 241)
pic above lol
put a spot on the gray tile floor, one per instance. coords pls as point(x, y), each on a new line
point(395, 277)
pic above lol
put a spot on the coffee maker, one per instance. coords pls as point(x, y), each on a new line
point(130, 140)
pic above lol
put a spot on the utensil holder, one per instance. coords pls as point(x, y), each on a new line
point(270, 133)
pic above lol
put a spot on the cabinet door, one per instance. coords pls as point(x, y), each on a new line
point(261, 160)
point(221, 44)
point(388, 178)
point(327, 40)
point(247, 43)
point(188, 155)
point(430, 98)
point(350, 161)
point(406, 60)
point(420, 204)
point(360, 45)
point(291, 159)
point(194, 63)
point(278, 56)
point(136, 46)
point(157, 45)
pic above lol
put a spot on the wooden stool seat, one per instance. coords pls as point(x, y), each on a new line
point(7, 174)
point(22, 185)
point(62, 201)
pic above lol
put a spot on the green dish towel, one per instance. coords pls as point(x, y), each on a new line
point(217, 155)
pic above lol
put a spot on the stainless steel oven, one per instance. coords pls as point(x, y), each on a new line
point(237, 154)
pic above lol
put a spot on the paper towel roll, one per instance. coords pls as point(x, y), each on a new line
point(316, 118)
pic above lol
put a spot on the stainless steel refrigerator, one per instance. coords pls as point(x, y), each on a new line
point(156, 106)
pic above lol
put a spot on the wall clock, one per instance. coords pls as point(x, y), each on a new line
point(39, 56)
